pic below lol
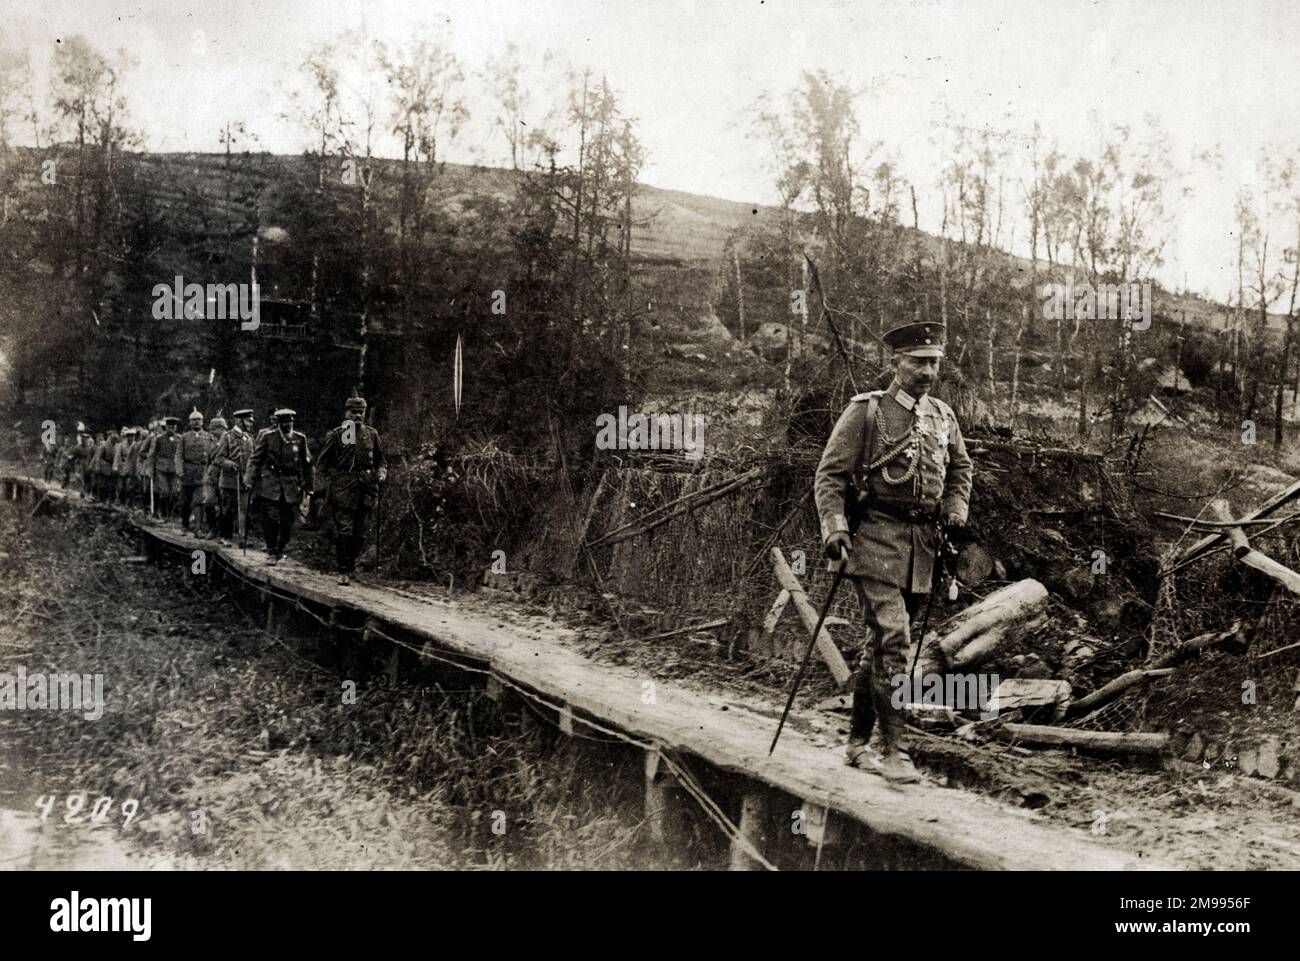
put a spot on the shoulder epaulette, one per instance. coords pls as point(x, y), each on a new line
point(867, 395)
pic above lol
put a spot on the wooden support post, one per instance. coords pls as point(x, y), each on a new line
point(808, 614)
point(661, 812)
point(753, 828)
point(566, 720)
point(495, 689)
point(819, 826)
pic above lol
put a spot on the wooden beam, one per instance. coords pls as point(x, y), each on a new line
point(808, 614)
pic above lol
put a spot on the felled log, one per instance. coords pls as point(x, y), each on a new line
point(1107, 741)
point(973, 634)
point(808, 614)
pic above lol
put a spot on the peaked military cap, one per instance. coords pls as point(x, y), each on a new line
point(925, 339)
point(246, 412)
point(171, 420)
point(285, 412)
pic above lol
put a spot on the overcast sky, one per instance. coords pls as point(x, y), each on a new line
point(1215, 73)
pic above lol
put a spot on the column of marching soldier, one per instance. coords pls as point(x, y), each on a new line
point(211, 479)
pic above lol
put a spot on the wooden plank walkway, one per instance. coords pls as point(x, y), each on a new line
point(726, 731)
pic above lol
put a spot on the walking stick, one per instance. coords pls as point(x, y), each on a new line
point(151, 508)
point(803, 665)
point(242, 510)
point(379, 503)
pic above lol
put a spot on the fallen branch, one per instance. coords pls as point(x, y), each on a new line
point(1272, 504)
point(682, 505)
point(985, 445)
point(1113, 689)
point(1221, 511)
point(708, 625)
point(1201, 522)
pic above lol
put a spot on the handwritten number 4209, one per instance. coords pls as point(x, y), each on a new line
point(76, 804)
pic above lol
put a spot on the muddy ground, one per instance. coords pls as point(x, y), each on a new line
point(238, 753)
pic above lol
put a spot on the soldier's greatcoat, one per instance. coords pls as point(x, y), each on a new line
point(885, 547)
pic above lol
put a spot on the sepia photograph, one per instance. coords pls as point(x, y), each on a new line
point(675, 436)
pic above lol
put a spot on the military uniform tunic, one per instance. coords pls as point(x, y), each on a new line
point(886, 546)
point(928, 473)
point(353, 457)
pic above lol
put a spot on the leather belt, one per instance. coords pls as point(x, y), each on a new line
point(907, 512)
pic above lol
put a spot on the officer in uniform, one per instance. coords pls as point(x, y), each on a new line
point(163, 467)
point(231, 457)
point(354, 460)
point(896, 459)
point(278, 473)
point(192, 452)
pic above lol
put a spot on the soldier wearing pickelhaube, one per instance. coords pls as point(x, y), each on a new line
point(352, 458)
point(277, 475)
point(897, 461)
